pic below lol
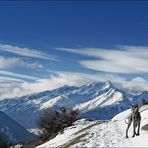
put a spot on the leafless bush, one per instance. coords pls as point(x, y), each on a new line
point(51, 122)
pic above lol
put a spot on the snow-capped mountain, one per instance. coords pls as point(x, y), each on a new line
point(13, 131)
point(95, 100)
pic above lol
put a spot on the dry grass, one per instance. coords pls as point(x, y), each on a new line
point(145, 127)
point(33, 143)
point(74, 141)
point(88, 127)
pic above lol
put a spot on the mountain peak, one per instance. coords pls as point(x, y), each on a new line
point(100, 85)
point(108, 84)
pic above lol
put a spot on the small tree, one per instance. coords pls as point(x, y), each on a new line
point(51, 122)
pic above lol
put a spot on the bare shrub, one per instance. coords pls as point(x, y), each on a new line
point(51, 122)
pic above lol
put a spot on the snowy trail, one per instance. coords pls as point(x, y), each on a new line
point(104, 135)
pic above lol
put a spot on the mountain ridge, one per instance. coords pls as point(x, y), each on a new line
point(14, 131)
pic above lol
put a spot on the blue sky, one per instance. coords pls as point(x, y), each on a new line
point(44, 45)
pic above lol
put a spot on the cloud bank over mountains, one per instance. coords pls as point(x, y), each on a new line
point(102, 65)
point(67, 78)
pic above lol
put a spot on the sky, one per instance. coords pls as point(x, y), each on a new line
point(48, 44)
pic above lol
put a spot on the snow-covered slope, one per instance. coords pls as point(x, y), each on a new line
point(93, 134)
point(13, 131)
point(95, 100)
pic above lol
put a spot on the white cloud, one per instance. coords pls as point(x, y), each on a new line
point(6, 79)
point(16, 75)
point(134, 85)
point(56, 80)
point(124, 59)
point(25, 52)
point(13, 61)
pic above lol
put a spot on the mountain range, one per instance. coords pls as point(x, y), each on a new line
point(95, 100)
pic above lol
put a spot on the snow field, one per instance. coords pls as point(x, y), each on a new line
point(108, 134)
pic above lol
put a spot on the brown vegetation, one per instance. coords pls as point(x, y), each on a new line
point(145, 127)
